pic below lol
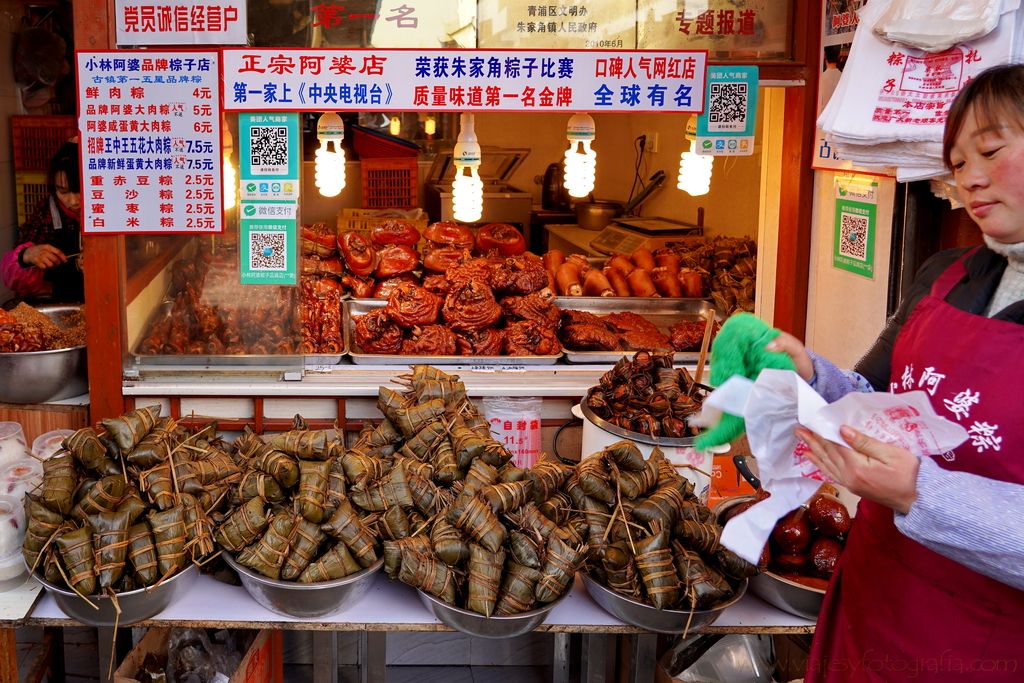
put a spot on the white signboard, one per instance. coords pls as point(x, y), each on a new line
point(177, 22)
point(151, 147)
point(261, 79)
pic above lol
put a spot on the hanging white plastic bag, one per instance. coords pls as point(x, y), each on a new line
point(937, 25)
point(515, 424)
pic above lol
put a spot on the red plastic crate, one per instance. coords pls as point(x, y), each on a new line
point(35, 139)
point(389, 183)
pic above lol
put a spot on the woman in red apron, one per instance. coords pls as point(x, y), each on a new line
point(897, 610)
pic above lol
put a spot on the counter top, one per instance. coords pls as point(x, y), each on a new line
point(393, 606)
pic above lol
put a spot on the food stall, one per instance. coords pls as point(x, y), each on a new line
point(179, 317)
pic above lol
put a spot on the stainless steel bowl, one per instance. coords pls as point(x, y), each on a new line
point(653, 619)
point(295, 599)
point(137, 605)
point(42, 376)
point(788, 596)
point(475, 624)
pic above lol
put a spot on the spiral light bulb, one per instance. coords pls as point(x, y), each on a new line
point(468, 189)
point(395, 125)
point(580, 159)
point(695, 172)
point(329, 174)
point(430, 126)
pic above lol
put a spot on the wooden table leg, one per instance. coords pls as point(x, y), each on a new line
point(560, 662)
point(325, 657)
point(373, 657)
point(9, 656)
point(594, 657)
point(644, 658)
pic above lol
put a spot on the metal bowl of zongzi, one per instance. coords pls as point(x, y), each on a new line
point(654, 619)
point(137, 605)
point(475, 624)
point(294, 599)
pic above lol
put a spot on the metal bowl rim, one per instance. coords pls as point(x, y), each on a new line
point(295, 585)
point(792, 583)
point(683, 441)
point(43, 309)
point(740, 591)
point(138, 591)
point(520, 616)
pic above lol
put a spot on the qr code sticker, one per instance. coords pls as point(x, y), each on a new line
point(268, 251)
point(853, 234)
point(727, 107)
point(268, 149)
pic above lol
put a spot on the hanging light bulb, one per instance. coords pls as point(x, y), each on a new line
point(694, 169)
point(395, 125)
point(580, 159)
point(330, 164)
point(430, 126)
point(468, 189)
point(230, 180)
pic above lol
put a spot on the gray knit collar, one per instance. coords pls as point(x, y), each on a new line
point(1014, 253)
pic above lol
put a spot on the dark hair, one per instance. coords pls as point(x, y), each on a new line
point(996, 94)
point(832, 53)
point(65, 161)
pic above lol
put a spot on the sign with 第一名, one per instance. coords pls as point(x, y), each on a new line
point(262, 79)
point(150, 142)
point(177, 22)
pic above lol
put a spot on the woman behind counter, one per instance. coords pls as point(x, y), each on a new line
point(46, 259)
point(928, 587)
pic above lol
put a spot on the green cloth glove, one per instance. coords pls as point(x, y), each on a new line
point(739, 350)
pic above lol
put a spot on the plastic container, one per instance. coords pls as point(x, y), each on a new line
point(12, 525)
point(45, 445)
point(20, 477)
point(12, 570)
point(12, 443)
point(389, 183)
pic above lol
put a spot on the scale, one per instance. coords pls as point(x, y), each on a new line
point(623, 235)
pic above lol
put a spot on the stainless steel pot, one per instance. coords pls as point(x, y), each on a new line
point(478, 625)
point(596, 215)
point(41, 376)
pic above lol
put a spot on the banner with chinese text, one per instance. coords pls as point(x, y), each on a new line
point(258, 79)
point(175, 22)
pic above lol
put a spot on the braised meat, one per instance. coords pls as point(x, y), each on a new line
point(410, 305)
point(396, 259)
point(376, 333)
point(358, 252)
point(627, 321)
point(590, 337)
point(582, 318)
point(470, 307)
point(431, 340)
point(687, 335)
point(443, 259)
point(536, 306)
point(436, 283)
point(642, 340)
point(395, 232)
point(527, 338)
point(384, 288)
point(521, 274)
point(478, 269)
point(486, 342)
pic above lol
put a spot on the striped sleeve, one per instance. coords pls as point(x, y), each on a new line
point(969, 519)
point(833, 383)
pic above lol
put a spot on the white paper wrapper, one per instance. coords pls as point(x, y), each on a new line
point(779, 401)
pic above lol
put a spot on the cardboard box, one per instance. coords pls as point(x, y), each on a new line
point(262, 663)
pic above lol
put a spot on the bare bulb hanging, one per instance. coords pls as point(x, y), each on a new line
point(430, 126)
point(229, 183)
point(395, 125)
point(468, 189)
point(329, 174)
point(694, 169)
point(580, 159)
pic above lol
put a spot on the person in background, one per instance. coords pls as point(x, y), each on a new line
point(930, 585)
point(829, 78)
point(45, 261)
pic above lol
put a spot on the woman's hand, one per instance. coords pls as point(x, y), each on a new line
point(791, 346)
point(43, 256)
point(882, 472)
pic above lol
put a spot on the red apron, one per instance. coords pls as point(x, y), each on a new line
point(896, 610)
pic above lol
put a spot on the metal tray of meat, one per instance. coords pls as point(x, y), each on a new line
point(247, 359)
point(663, 312)
point(356, 307)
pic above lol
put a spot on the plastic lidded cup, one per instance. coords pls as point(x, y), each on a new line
point(45, 445)
point(12, 442)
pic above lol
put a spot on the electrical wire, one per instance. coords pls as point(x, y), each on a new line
point(639, 145)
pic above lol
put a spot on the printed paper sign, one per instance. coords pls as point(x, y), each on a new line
point(853, 245)
point(727, 127)
point(151, 142)
point(176, 22)
point(260, 79)
point(268, 245)
point(269, 156)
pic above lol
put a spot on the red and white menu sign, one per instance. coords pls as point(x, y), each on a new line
point(150, 142)
point(177, 22)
